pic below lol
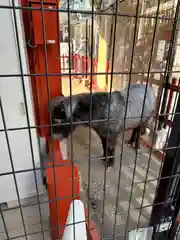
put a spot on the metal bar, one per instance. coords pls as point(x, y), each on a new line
point(90, 111)
point(123, 130)
point(109, 104)
point(92, 13)
point(110, 49)
point(161, 194)
point(35, 204)
point(60, 10)
point(27, 113)
point(71, 113)
point(177, 233)
point(87, 70)
point(37, 232)
point(81, 74)
point(160, 178)
point(156, 122)
point(4, 223)
point(81, 122)
point(149, 67)
point(165, 97)
point(175, 161)
point(174, 224)
point(24, 236)
point(163, 167)
point(69, 197)
point(175, 189)
point(169, 66)
point(170, 97)
point(13, 169)
point(93, 159)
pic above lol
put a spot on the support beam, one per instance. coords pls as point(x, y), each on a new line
point(43, 57)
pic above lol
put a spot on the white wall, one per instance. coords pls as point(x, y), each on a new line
point(12, 99)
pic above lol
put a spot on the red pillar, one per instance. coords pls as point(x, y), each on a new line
point(62, 181)
point(34, 35)
point(57, 176)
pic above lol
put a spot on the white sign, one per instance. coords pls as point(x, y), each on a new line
point(64, 49)
point(164, 226)
point(141, 234)
point(160, 50)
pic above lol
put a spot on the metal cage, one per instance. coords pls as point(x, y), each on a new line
point(107, 47)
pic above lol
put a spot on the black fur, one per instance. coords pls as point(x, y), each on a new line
point(45, 182)
point(138, 132)
point(61, 114)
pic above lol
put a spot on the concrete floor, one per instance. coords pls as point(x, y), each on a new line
point(31, 216)
point(96, 183)
point(132, 183)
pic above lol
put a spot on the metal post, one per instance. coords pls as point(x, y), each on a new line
point(167, 202)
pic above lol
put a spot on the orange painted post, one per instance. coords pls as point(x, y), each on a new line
point(170, 98)
point(83, 66)
point(37, 56)
point(75, 58)
point(91, 229)
point(61, 180)
point(107, 66)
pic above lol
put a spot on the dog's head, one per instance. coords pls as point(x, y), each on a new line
point(62, 115)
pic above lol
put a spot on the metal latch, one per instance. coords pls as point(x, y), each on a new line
point(22, 109)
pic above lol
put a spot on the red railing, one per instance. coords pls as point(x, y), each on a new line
point(80, 64)
point(173, 88)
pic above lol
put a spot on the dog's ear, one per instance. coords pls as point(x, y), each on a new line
point(56, 101)
point(66, 101)
point(84, 103)
point(67, 105)
point(56, 104)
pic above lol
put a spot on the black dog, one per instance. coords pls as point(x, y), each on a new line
point(65, 111)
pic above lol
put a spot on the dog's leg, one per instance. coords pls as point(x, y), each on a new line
point(45, 182)
point(137, 138)
point(141, 130)
point(133, 137)
point(110, 148)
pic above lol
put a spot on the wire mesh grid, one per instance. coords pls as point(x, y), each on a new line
point(132, 194)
